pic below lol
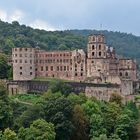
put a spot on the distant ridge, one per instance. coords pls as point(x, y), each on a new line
point(16, 35)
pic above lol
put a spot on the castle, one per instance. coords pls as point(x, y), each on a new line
point(99, 65)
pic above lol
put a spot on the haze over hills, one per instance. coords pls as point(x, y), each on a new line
point(16, 35)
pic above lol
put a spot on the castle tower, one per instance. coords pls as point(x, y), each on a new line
point(96, 62)
point(23, 63)
point(96, 47)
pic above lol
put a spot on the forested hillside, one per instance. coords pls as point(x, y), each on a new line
point(16, 35)
point(59, 114)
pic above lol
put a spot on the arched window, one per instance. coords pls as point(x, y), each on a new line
point(92, 53)
point(126, 73)
point(100, 53)
point(99, 47)
point(93, 47)
point(120, 73)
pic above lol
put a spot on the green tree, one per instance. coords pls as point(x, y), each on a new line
point(6, 111)
point(3, 67)
point(59, 112)
point(38, 130)
point(81, 124)
point(60, 86)
point(116, 98)
point(110, 114)
point(28, 116)
point(77, 99)
point(8, 135)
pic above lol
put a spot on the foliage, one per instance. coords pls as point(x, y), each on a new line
point(60, 86)
point(29, 98)
point(38, 130)
point(16, 35)
point(116, 98)
point(66, 116)
point(81, 124)
point(28, 116)
point(59, 112)
point(5, 108)
point(4, 68)
point(8, 135)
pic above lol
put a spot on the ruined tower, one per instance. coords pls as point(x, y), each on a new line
point(23, 63)
point(96, 57)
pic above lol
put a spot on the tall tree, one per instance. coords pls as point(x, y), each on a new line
point(38, 130)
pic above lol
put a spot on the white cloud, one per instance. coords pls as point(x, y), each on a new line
point(40, 24)
point(16, 15)
point(3, 15)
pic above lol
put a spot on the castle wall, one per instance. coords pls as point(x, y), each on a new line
point(100, 65)
point(23, 63)
point(53, 64)
point(100, 91)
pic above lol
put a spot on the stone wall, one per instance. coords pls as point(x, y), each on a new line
point(100, 91)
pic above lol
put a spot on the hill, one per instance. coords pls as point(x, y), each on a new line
point(16, 35)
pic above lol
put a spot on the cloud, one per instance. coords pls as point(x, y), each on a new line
point(40, 24)
point(16, 15)
point(3, 15)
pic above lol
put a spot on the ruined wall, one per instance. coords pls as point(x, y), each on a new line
point(100, 91)
point(23, 63)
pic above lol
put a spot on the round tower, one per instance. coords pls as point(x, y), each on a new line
point(23, 63)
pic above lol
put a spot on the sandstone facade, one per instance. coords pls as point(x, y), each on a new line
point(99, 65)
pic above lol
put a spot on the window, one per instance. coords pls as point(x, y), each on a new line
point(67, 68)
point(93, 47)
point(99, 47)
point(20, 68)
point(93, 38)
point(25, 61)
point(30, 61)
point(51, 68)
point(100, 53)
point(30, 68)
point(126, 74)
point(26, 49)
point(99, 39)
point(92, 53)
point(15, 55)
point(42, 68)
point(20, 61)
point(120, 73)
point(64, 68)
point(20, 55)
point(57, 68)
point(46, 68)
point(61, 68)
point(81, 74)
point(20, 73)
point(31, 73)
point(75, 74)
point(15, 61)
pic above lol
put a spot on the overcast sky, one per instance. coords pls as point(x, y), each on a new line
point(115, 15)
